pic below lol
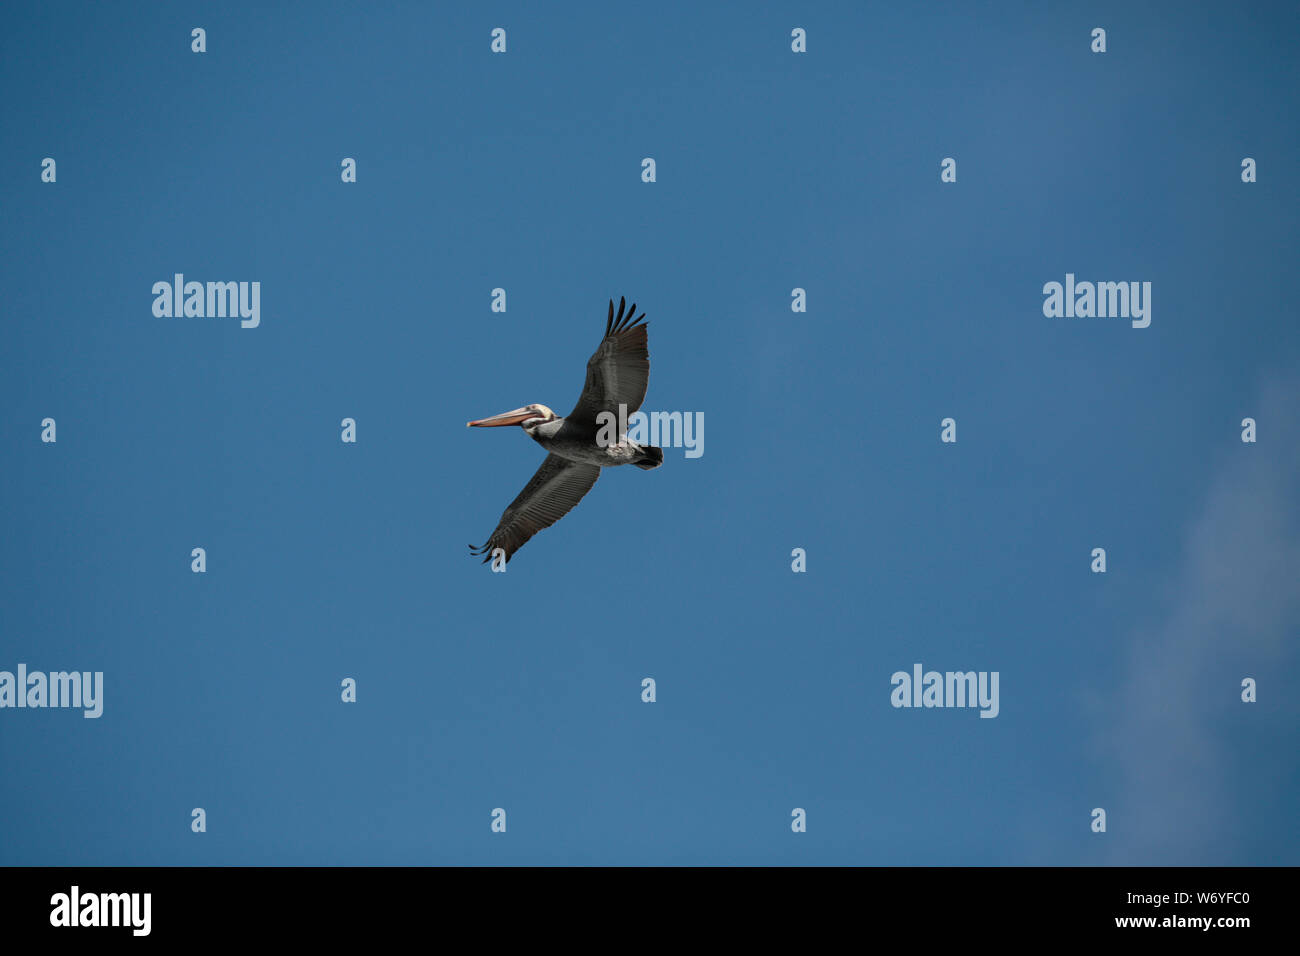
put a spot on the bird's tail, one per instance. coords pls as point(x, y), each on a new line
point(651, 457)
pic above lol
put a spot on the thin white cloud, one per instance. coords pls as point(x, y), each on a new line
point(1234, 604)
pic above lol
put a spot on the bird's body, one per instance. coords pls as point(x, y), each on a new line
point(576, 442)
point(586, 440)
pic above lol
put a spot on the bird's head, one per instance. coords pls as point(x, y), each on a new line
point(530, 416)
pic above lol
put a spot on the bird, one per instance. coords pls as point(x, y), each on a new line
point(583, 442)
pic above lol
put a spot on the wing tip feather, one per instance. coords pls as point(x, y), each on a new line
point(625, 318)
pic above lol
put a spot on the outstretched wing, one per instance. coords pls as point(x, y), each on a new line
point(551, 494)
point(618, 371)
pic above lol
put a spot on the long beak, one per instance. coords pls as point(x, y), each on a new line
point(505, 418)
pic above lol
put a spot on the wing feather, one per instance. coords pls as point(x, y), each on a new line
point(618, 372)
point(558, 485)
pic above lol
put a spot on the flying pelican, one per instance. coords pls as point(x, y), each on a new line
point(617, 374)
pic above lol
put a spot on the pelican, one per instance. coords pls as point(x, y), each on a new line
point(617, 374)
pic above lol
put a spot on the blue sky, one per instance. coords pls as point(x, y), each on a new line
point(522, 690)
